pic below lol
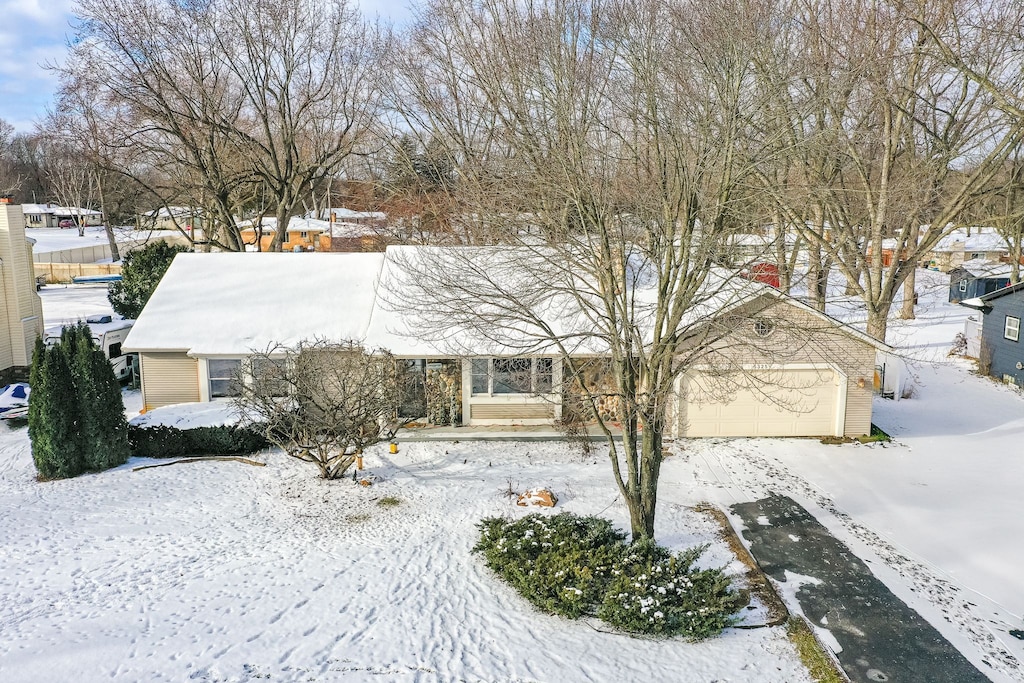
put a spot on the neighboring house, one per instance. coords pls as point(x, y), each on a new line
point(812, 375)
point(342, 215)
point(171, 218)
point(303, 234)
point(977, 277)
point(21, 317)
point(355, 237)
point(50, 216)
point(1002, 346)
point(967, 244)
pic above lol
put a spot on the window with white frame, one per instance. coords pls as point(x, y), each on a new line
point(1011, 328)
point(223, 374)
point(963, 285)
point(503, 376)
point(303, 235)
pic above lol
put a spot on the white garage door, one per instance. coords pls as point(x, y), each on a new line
point(773, 403)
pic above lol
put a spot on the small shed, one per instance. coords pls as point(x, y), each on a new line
point(977, 278)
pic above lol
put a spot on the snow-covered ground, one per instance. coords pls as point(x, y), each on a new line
point(937, 513)
point(224, 571)
point(228, 572)
point(59, 239)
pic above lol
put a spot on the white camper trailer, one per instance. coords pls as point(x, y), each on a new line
point(109, 333)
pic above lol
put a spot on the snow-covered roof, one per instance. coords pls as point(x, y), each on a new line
point(295, 224)
point(67, 211)
point(346, 229)
point(232, 303)
point(174, 212)
point(980, 240)
point(980, 267)
point(342, 214)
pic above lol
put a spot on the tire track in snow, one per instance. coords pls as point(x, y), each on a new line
point(756, 474)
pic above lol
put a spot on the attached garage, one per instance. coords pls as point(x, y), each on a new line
point(778, 401)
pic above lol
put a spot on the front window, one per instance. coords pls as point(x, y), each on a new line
point(224, 376)
point(1011, 329)
point(512, 376)
point(303, 235)
point(115, 350)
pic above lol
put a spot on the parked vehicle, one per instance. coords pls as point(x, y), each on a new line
point(109, 334)
point(14, 401)
point(66, 224)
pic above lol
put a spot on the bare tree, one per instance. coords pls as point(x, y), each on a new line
point(235, 104)
point(321, 402)
point(10, 181)
point(901, 110)
point(1003, 206)
point(601, 145)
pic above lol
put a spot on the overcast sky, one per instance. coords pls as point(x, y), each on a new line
point(35, 32)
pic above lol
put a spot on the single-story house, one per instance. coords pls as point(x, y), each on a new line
point(977, 277)
point(781, 369)
point(967, 244)
point(171, 218)
point(303, 234)
point(51, 216)
point(1002, 348)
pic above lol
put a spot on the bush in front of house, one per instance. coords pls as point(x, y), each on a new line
point(574, 566)
point(75, 413)
point(558, 563)
point(163, 441)
point(658, 593)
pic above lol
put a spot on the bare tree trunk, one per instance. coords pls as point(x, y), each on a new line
point(909, 296)
point(115, 252)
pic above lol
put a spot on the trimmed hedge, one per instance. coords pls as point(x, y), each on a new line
point(572, 566)
point(162, 441)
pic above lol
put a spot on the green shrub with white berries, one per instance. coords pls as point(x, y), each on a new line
point(574, 566)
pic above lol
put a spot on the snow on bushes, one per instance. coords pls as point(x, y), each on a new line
point(659, 593)
point(164, 441)
point(572, 566)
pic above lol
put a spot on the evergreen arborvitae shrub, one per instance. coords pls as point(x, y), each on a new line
point(76, 415)
point(104, 430)
point(572, 566)
point(53, 415)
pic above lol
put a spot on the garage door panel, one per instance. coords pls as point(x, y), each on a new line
point(775, 403)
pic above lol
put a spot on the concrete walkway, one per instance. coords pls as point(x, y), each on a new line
point(492, 433)
point(882, 639)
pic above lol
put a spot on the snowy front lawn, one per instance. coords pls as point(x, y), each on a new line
point(228, 572)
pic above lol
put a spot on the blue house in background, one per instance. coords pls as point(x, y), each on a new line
point(1002, 346)
point(977, 278)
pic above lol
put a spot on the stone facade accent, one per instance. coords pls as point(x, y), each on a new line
point(443, 388)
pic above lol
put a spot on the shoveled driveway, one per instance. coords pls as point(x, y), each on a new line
point(882, 639)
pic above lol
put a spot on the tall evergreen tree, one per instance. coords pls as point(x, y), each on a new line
point(102, 426)
point(53, 415)
point(141, 272)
